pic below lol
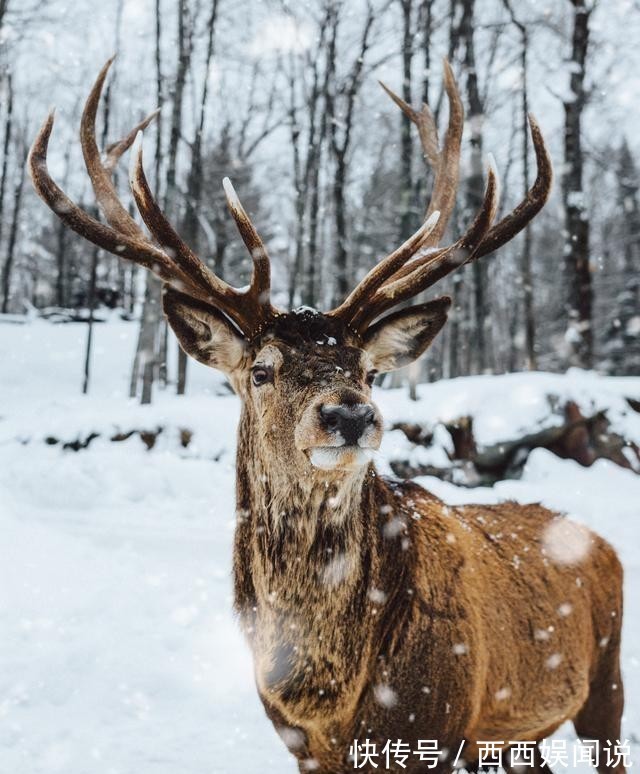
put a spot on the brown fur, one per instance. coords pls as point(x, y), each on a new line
point(375, 611)
point(372, 609)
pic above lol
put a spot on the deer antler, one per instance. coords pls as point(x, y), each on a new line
point(444, 162)
point(170, 259)
point(413, 267)
point(421, 266)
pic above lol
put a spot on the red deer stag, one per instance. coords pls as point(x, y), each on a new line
point(373, 611)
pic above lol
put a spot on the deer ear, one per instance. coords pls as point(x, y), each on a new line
point(203, 332)
point(400, 338)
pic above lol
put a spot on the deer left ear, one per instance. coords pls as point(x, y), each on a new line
point(204, 332)
point(397, 340)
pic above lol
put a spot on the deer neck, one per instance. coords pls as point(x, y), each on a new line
point(305, 560)
point(299, 536)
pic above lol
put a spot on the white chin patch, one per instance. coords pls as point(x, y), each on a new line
point(339, 457)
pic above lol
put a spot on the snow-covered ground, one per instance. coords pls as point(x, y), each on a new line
point(118, 648)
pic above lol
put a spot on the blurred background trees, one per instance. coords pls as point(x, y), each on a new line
point(283, 98)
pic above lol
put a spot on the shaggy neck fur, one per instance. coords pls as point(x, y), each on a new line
point(303, 565)
point(311, 520)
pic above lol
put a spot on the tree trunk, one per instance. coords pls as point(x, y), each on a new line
point(91, 304)
point(62, 234)
point(426, 16)
point(475, 183)
point(307, 174)
point(407, 213)
point(194, 181)
point(455, 360)
point(159, 94)
point(146, 355)
point(6, 146)
point(149, 335)
point(576, 250)
point(527, 278)
point(150, 356)
point(341, 126)
point(95, 255)
point(299, 186)
point(184, 61)
point(454, 327)
point(341, 269)
point(13, 232)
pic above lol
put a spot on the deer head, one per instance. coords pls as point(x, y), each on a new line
point(304, 376)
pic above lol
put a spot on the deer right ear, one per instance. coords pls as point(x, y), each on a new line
point(401, 337)
point(203, 332)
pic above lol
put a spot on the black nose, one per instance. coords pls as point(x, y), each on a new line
point(349, 421)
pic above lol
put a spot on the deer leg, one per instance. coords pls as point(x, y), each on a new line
point(600, 715)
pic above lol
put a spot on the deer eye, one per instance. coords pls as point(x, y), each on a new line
point(371, 375)
point(261, 375)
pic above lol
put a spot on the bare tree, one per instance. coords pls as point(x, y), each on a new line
point(95, 255)
point(474, 183)
point(340, 104)
point(18, 189)
point(407, 209)
point(185, 50)
point(150, 353)
point(194, 179)
point(622, 342)
point(527, 278)
point(307, 153)
point(145, 358)
point(7, 83)
point(576, 250)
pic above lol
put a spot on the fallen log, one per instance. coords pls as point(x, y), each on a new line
point(576, 437)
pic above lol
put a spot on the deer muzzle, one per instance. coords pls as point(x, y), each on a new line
point(340, 434)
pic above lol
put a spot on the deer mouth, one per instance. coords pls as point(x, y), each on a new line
point(340, 457)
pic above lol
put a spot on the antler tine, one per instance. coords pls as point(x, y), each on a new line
point(515, 221)
point(163, 231)
point(445, 162)
point(447, 172)
point(425, 123)
point(445, 261)
point(250, 308)
point(106, 195)
point(530, 206)
point(116, 150)
point(104, 190)
point(178, 266)
point(260, 286)
point(382, 271)
point(196, 278)
point(122, 244)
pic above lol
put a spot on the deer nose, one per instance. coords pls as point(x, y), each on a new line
point(349, 421)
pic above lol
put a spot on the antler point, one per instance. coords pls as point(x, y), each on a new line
point(230, 192)
point(135, 161)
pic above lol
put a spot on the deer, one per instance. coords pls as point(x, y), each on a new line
point(373, 610)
